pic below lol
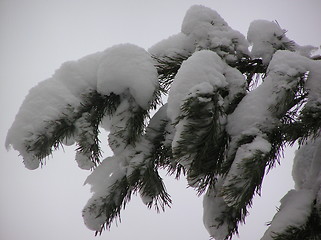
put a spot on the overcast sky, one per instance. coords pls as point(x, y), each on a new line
point(37, 36)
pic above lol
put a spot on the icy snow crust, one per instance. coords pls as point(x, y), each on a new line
point(117, 70)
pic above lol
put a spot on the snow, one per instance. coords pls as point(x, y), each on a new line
point(154, 125)
point(83, 161)
point(213, 207)
point(130, 67)
point(202, 67)
point(283, 71)
point(246, 151)
point(210, 31)
point(203, 28)
point(294, 210)
point(258, 112)
point(265, 36)
point(124, 69)
point(307, 166)
point(117, 137)
point(202, 73)
point(198, 16)
point(106, 174)
point(178, 44)
point(101, 180)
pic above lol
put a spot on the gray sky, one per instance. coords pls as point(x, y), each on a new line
point(37, 36)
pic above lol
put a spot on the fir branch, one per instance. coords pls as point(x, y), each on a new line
point(151, 185)
point(117, 199)
point(241, 189)
point(233, 146)
point(203, 140)
point(161, 152)
point(44, 143)
point(308, 123)
point(148, 182)
point(56, 131)
point(251, 68)
point(167, 68)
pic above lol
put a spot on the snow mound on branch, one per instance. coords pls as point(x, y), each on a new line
point(202, 67)
point(128, 67)
point(178, 44)
point(203, 28)
point(198, 16)
point(210, 31)
point(111, 170)
point(48, 101)
point(121, 69)
point(306, 170)
point(214, 206)
point(294, 211)
point(267, 37)
point(291, 64)
point(283, 70)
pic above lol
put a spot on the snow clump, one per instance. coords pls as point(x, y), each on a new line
point(123, 69)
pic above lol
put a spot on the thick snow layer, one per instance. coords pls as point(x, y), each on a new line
point(128, 67)
point(292, 64)
point(48, 101)
point(254, 111)
point(213, 207)
point(202, 73)
point(106, 174)
point(199, 15)
point(266, 37)
point(210, 31)
point(122, 68)
point(178, 44)
point(203, 28)
point(295, 208)
point(306, 170)
point(202, 67)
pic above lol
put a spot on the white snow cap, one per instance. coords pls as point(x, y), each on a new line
point(48, 101)
point(294, 211)
point(178, 44)
point(128, 67)
point(265, 36)
point(292, 64)
point(203, 28)
point(111, 170)
point(198, 16)
point(210, 31)
point(122, 68)
point(213, 207)
point(306, 170)
point(202, 67)
point(254, 109)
